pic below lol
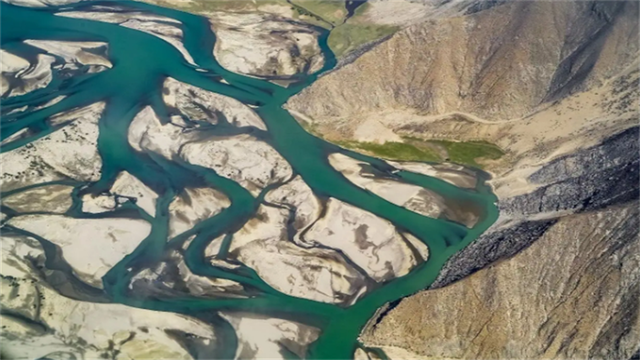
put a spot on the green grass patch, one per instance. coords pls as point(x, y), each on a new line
point(467, 152)
point(344, 37)
point(393, 150)
point(349, 36)
point(464, 153)
point(330, 11)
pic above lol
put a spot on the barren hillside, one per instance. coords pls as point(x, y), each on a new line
point(527, 308)
point(498, 64)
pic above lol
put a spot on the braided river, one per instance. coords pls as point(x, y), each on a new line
point(141, 62)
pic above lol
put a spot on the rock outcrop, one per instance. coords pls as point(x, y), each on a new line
point(588, 180)
point(526, 307)
point(582, 218)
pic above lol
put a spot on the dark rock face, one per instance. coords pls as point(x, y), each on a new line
point(489, 248)
point(572, 294)
point(591, 179)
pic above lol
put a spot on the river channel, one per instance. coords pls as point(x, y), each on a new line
point(141, 62)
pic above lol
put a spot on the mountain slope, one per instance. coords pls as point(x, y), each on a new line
point(555, 86)
point(572, 294)
point(500, 63)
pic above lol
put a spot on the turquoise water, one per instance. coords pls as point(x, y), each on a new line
point(141, 62)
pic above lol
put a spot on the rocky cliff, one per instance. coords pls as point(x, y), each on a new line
point(589, 180)
point(572, 294)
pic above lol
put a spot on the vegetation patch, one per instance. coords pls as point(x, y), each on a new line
point(357, 31)
point(332, 12)
point(467, 152)
point(349, 36)
point(344, 38)
point(393, 150)
point(464, 153)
